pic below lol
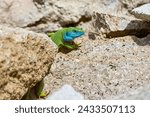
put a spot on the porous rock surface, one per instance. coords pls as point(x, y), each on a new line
point(142, 93)
point(18, 13)
point(25, 59)
point(104, 68)
point(61, 13)
point(50, 15)
point(116, 26)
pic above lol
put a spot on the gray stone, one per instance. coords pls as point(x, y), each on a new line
point(19, 13)
point(51, 15)
point(131, 4)
point(69, 12)
point(115, 26)
point(25, 59)
point(65, 93)
point(142, 12)
point(142, 93)
point(104, 68)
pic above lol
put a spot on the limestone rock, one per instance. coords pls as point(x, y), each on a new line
point(131, 4)
point(18, 12)
point(114, 26)
point(62, 13)
point(65, 93)
point(142, 93)
point(25, 59)
point(51, 15)
point(142, 12)
point(104, 68)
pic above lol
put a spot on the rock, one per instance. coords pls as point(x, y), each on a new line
point(142, 12)
point(64, 13)
point(18, 13)
point(104, 68)
point(59, 14)
point(51, 15)
point(114, 26)
point(65, 93)
point(39, 1)
point(142, 93)
point(25, 59)
point(130, 4)
point(45, 27)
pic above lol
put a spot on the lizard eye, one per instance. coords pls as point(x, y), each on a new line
point(75, 31)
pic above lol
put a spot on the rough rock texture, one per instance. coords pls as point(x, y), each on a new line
point(142, 93)
point(18, 12)
point(62, 13)
point(104, 68)
point(130, 4)
point(142, 12)
point(114, 26)
point(25, 59)
point(50, 15)
point(66, 92)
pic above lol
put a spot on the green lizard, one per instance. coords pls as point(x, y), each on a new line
point(62, 38)
point(39, 89)
point(65, 37)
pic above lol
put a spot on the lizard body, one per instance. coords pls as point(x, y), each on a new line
point(65, 37)
point(62, 38)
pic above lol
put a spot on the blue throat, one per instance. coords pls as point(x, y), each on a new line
point(70, 36)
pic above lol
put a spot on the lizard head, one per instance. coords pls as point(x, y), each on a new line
point(72, 33)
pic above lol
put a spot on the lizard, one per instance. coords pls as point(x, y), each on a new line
point(65, 36)
point(62, 38)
